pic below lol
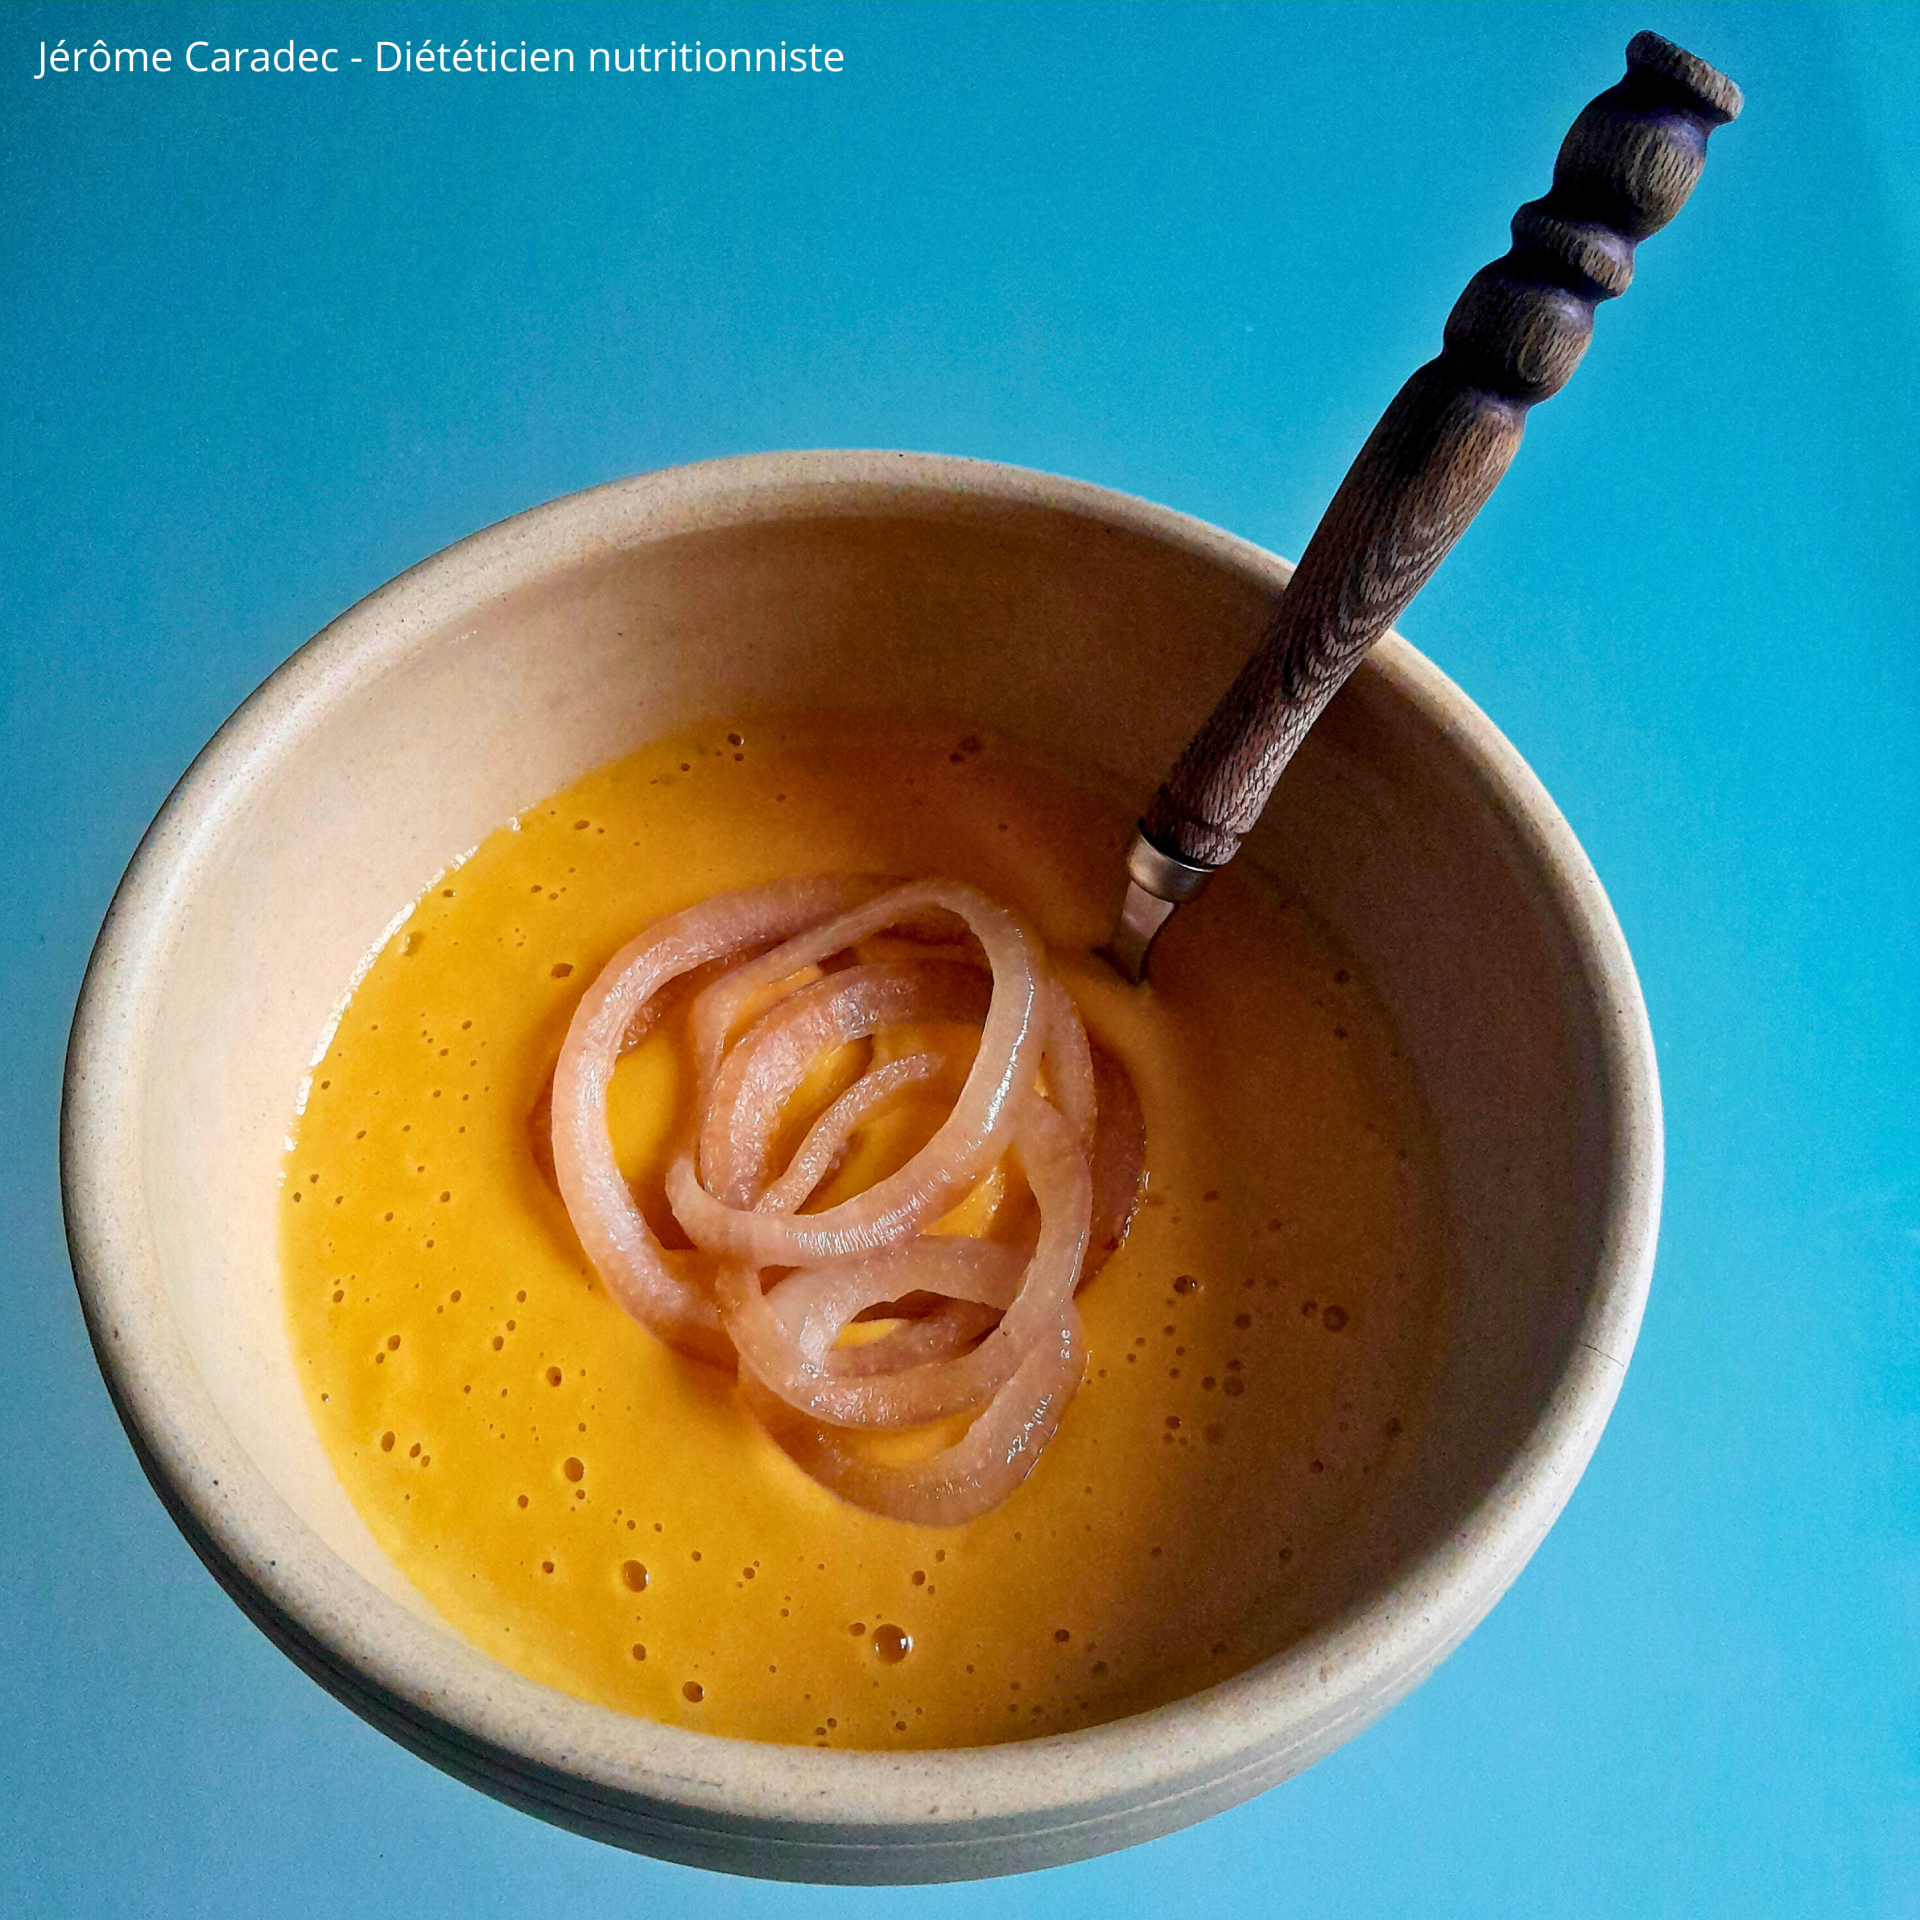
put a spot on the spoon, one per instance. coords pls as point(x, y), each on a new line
point(1514, 338)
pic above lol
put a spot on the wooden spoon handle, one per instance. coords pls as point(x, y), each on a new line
point(1513, 338)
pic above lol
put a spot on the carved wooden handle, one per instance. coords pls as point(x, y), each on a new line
point(1513, 338)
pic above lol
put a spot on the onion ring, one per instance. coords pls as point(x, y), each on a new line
point(795, 1370)
point(969, 1140)
point(961, 1482)
point(617, 1239)
point(789, 975)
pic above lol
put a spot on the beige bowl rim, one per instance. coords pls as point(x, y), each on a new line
point(789, 1812)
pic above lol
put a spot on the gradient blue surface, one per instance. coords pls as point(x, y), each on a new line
point(267, 341)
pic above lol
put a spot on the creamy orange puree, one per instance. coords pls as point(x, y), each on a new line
point(602, 1515)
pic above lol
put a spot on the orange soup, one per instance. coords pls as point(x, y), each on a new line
point(601, 1514)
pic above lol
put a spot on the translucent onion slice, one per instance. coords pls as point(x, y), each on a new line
point(819, 1153)
point(952, 1327)
point(794, 1366)
point(778, 980)
point(816, 1305)
point(973, 1135)
point(612, 1230)
point(769, 1061)
point(960, 1482)
point(1068, 1063)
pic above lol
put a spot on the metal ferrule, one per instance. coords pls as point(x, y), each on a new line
point(1163, 874)
point(1157, 882)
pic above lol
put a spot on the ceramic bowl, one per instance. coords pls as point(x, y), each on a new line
point(501, 670)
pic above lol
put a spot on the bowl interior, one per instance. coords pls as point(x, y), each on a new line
point(506, 668)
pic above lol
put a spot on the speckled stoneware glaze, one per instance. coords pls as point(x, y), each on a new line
point(503, 669)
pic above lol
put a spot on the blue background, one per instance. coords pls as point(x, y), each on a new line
point(269, 341)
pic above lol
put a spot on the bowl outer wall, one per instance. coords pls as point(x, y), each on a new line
point(793, 1812)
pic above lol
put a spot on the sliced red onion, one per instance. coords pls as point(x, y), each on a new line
point(789, 974)
point(819, 1153)
point(792, 1362)
point(952, 1327)
point(1068, 1062)
point(615, 1235)
point(960, 1482)
point(970, 1139)
point(768, 1062)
